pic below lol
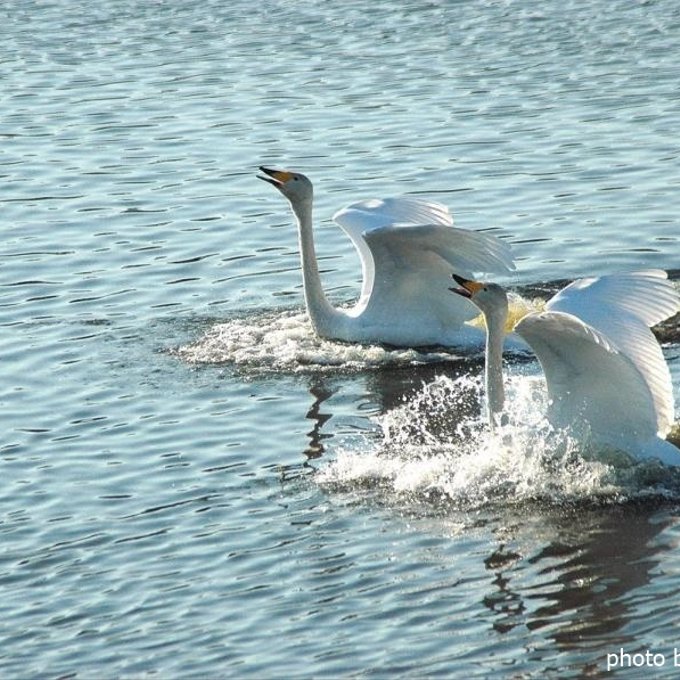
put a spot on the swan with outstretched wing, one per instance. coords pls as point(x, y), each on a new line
point(407, 249)
point(604, 369)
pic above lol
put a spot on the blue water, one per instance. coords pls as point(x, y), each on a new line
point(193, 485)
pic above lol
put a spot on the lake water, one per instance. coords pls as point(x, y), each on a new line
point(193, 485)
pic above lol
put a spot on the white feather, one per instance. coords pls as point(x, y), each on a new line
point(646, 294)
point(413, 246)
point(623, 307)
point(589, 380)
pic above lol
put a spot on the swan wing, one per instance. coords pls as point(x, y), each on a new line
point(363, 216)
point(589, 379)
point(387, 231)
point(377, 212)
point(412, 271)
point(622, 307)
point(646, 294)
point(460, 249)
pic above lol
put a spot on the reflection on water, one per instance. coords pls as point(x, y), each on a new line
point(316, 448)
point(569, 581)
point(604, 556)
point(568, 573)
point(575, 576)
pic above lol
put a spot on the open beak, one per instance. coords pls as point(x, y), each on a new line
point(467, 287)
point(276, 177)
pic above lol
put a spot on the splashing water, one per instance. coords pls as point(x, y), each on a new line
point(438, 447)
point(285, 341)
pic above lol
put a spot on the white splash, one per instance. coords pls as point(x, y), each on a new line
point(437, 447)
point(285, 341)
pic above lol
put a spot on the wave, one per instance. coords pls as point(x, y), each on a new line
point(438, 448)
point(284, 341)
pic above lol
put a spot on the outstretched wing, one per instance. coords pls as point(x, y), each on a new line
point(622, 307)
point(410, 245)
point(377, 212)
point(646, 294)
point(589, 379)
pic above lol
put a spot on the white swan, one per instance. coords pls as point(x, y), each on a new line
point(407, 249)
point(605, 372)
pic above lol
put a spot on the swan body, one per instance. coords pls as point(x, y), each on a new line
point(605, 372)
point(407, 248)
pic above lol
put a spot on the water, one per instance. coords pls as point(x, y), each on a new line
point(193, 485)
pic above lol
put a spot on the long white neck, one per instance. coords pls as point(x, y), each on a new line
point(324, 317)
point(493, 370)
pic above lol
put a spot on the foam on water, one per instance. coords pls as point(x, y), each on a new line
point(436, 447)
point(283, 340)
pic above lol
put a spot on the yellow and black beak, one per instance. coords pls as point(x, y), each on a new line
point(276, 177)
point(467, 287)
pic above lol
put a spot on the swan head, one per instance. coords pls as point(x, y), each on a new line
point(489, 298)
point(295, 186)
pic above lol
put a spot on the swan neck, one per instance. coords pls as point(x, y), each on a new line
point(493, 370)
point(320, 311)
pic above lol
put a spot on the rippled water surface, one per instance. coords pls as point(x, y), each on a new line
point(193, 484)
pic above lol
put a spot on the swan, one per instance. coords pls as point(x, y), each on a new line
point(606, 375)
point(407, 249)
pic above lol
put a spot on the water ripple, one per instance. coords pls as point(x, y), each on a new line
point(148, 495)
